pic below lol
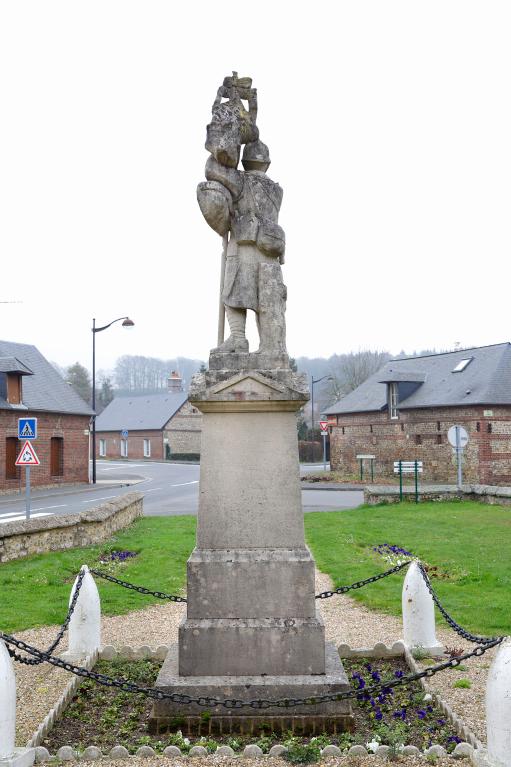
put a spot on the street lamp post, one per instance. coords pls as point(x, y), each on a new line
point(127, 323)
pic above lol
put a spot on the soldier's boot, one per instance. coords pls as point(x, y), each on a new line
point(236, 342)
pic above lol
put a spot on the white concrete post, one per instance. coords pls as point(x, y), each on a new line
point(7, 703)
point(498, 707)
point(85, 623)
point(419, 613)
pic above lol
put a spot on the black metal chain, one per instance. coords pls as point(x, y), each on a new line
point(139, 589)
point(62, 630)
point(450, 620)
point(210, 702)
point(359, 584)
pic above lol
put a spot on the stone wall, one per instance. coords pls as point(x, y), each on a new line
point(66, 531)
point(183, 431)
point(422, 435)
point(490, 494)
point(72, 429)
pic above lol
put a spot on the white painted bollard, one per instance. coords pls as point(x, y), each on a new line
point(7, 703)
point(419, 613)
point(10, 755)
point(85, 623)
point(498, 707)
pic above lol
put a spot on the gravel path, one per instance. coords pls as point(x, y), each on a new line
point(346, 621)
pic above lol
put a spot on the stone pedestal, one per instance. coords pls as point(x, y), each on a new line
point(252, 628)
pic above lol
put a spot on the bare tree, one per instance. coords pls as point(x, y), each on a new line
point(348, 371)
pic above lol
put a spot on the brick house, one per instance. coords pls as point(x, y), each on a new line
point(159, 426)
point(404, 411)
point(31, 387)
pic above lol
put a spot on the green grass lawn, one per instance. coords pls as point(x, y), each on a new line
point(469, 542)
point(35, 591)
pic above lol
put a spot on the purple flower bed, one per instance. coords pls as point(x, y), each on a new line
point(396, 715)
point(117, 556)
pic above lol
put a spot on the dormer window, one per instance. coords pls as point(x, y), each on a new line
point(14, 390)
point(11, 374)
point(393, 400)
point(462, 364)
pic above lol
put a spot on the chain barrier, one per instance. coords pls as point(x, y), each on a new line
point(35, 661)
point(450, 620)
point(158, 694)
point(359, 584)
point(139, 589)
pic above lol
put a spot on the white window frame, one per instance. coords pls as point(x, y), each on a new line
point(124, 448)
point(102, 448)
point(393, 401)
point(147, 448)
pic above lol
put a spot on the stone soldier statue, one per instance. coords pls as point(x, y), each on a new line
point(245, 205)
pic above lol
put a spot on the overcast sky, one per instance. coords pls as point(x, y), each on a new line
point(389, 126)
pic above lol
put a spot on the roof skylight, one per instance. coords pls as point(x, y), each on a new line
point(462, 364)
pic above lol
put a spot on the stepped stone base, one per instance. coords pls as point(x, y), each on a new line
point(330, 716)
point(246, 646)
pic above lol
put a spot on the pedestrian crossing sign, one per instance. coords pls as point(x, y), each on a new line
point(27, 428)
point(27, 456)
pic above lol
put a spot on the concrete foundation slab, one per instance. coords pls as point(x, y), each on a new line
point(334, 715)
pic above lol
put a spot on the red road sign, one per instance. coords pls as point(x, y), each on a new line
point(27, 456)
point(323, 425)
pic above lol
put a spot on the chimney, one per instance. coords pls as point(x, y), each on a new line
point(174, 383)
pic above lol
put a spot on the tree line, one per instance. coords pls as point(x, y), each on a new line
point(136, 374)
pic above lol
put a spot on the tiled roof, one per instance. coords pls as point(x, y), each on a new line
point(485, 380)
point(45, 390)
point(141, 411)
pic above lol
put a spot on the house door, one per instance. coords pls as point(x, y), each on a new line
point(57, 457)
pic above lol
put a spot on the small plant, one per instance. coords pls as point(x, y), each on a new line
point(205, 716)
point(265, 742)
point(463, 684)
point(234, 743)
point(431, 758)
point(345, 740)
point(176, 739)
point(301, 753)
point(419, 653)
point(209, 744)
point(454, 652)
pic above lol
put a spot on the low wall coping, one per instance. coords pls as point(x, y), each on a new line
point(502, 492)
point(98, 513)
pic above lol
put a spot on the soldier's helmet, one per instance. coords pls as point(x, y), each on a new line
point(256, 156)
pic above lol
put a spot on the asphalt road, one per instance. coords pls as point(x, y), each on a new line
point(168, 488)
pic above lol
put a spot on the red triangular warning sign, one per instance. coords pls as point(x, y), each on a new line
point(27, 456)
point(323, 425)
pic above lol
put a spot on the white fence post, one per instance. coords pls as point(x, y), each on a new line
point(10, 756)
point(7, 703)
point(498, 707)
point(419, 613)
point(85, 623)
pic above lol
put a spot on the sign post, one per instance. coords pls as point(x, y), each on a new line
point(324, 432)
point(27, 458)
point(458, 438)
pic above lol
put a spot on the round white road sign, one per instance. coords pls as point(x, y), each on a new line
point(462, 436)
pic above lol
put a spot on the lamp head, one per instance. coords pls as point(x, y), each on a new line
point(128, 323)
